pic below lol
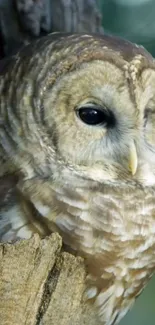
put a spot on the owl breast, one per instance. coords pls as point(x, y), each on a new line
point(115, 237)
point(77, 129)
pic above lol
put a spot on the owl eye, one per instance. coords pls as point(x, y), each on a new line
point(95, 115)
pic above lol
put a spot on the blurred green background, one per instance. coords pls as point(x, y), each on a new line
point(134, 20)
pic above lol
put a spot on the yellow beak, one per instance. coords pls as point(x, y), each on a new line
point(133, 160)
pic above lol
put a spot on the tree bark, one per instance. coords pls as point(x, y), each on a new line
point(21, 21)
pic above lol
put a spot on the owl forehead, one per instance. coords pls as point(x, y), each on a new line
point(104, 81)
point(131, 58)
point(63, 56)
point(91, 46)
point(66, 53)
point(128, 57)
point(90, 43)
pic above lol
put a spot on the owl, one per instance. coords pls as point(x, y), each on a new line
point(77, 156)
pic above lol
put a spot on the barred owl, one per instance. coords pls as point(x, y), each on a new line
point(77, 156)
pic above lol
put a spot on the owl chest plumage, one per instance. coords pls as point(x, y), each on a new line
point(74, 109)
point(115, 236)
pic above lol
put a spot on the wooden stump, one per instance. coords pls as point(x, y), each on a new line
point(21, 21)
point(40, 284)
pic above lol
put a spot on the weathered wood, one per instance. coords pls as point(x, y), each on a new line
point(40, 284)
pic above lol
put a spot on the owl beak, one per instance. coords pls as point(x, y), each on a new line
point(133, 160)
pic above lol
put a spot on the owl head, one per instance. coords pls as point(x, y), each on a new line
point(89, 101)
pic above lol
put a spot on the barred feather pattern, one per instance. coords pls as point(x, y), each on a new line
point(95, 224)
point(56, 174)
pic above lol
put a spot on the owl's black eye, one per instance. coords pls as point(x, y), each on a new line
point(95, 115)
